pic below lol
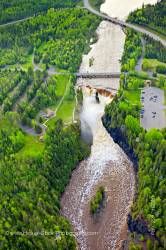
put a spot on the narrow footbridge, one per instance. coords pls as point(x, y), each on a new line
point(98, 75)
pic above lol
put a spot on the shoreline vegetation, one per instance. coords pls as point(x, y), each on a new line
point(34, 173)
point(152, 16)
point(96, 202)
point(41, 91)
point(96, 3)
point(145, 148)
point(30, 185)
point(16, 9)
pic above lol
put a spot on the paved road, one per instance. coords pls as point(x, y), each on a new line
point(106, 17)
point(124, 24)
point(138, 67)
point(14, 22)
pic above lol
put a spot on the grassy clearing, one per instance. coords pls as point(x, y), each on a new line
point(32, 148)
point(133, 96)
point(65, 112)
point(65, 106)
point(3, 123)
point(151, 64)
point(61, 82)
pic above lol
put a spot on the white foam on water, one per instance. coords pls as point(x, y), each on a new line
point(122, 8)
point(106, 158)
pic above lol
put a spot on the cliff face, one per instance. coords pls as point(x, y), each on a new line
point(121, 140)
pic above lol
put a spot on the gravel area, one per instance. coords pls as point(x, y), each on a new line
point(153, 113)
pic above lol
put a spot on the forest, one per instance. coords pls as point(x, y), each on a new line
point(96, 3)
point(34, 173)
point(18, 9)
point(56, 40)
point(97, 201)
point(152, 16)
point(45, 40)
point(145, 148)
point(31, 187)
point(154, 49)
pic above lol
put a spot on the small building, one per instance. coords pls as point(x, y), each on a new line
point(49, 113)
point(148, 83)
point(41, 138)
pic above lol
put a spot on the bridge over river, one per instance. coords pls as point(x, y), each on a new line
point(137, 28)
point(87, 6)
point(98, 75)
point(91, 75)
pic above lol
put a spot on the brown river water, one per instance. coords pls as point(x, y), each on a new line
point(107, 164)
point(121, 8)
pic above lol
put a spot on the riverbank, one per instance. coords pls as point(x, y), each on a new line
point(121, 140)
point(107, 165)
point(121, 9)
point(122, 120)
point(105, 15)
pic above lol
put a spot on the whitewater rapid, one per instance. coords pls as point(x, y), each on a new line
point(107, 164)
point(121, 8)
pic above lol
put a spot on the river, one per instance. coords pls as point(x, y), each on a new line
point(121, 8)
point(107, 164)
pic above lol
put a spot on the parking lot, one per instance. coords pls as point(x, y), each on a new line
point(153, 113)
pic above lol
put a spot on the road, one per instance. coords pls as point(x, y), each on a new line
point(14, 22)
point(124, 24)
point(108, 18)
